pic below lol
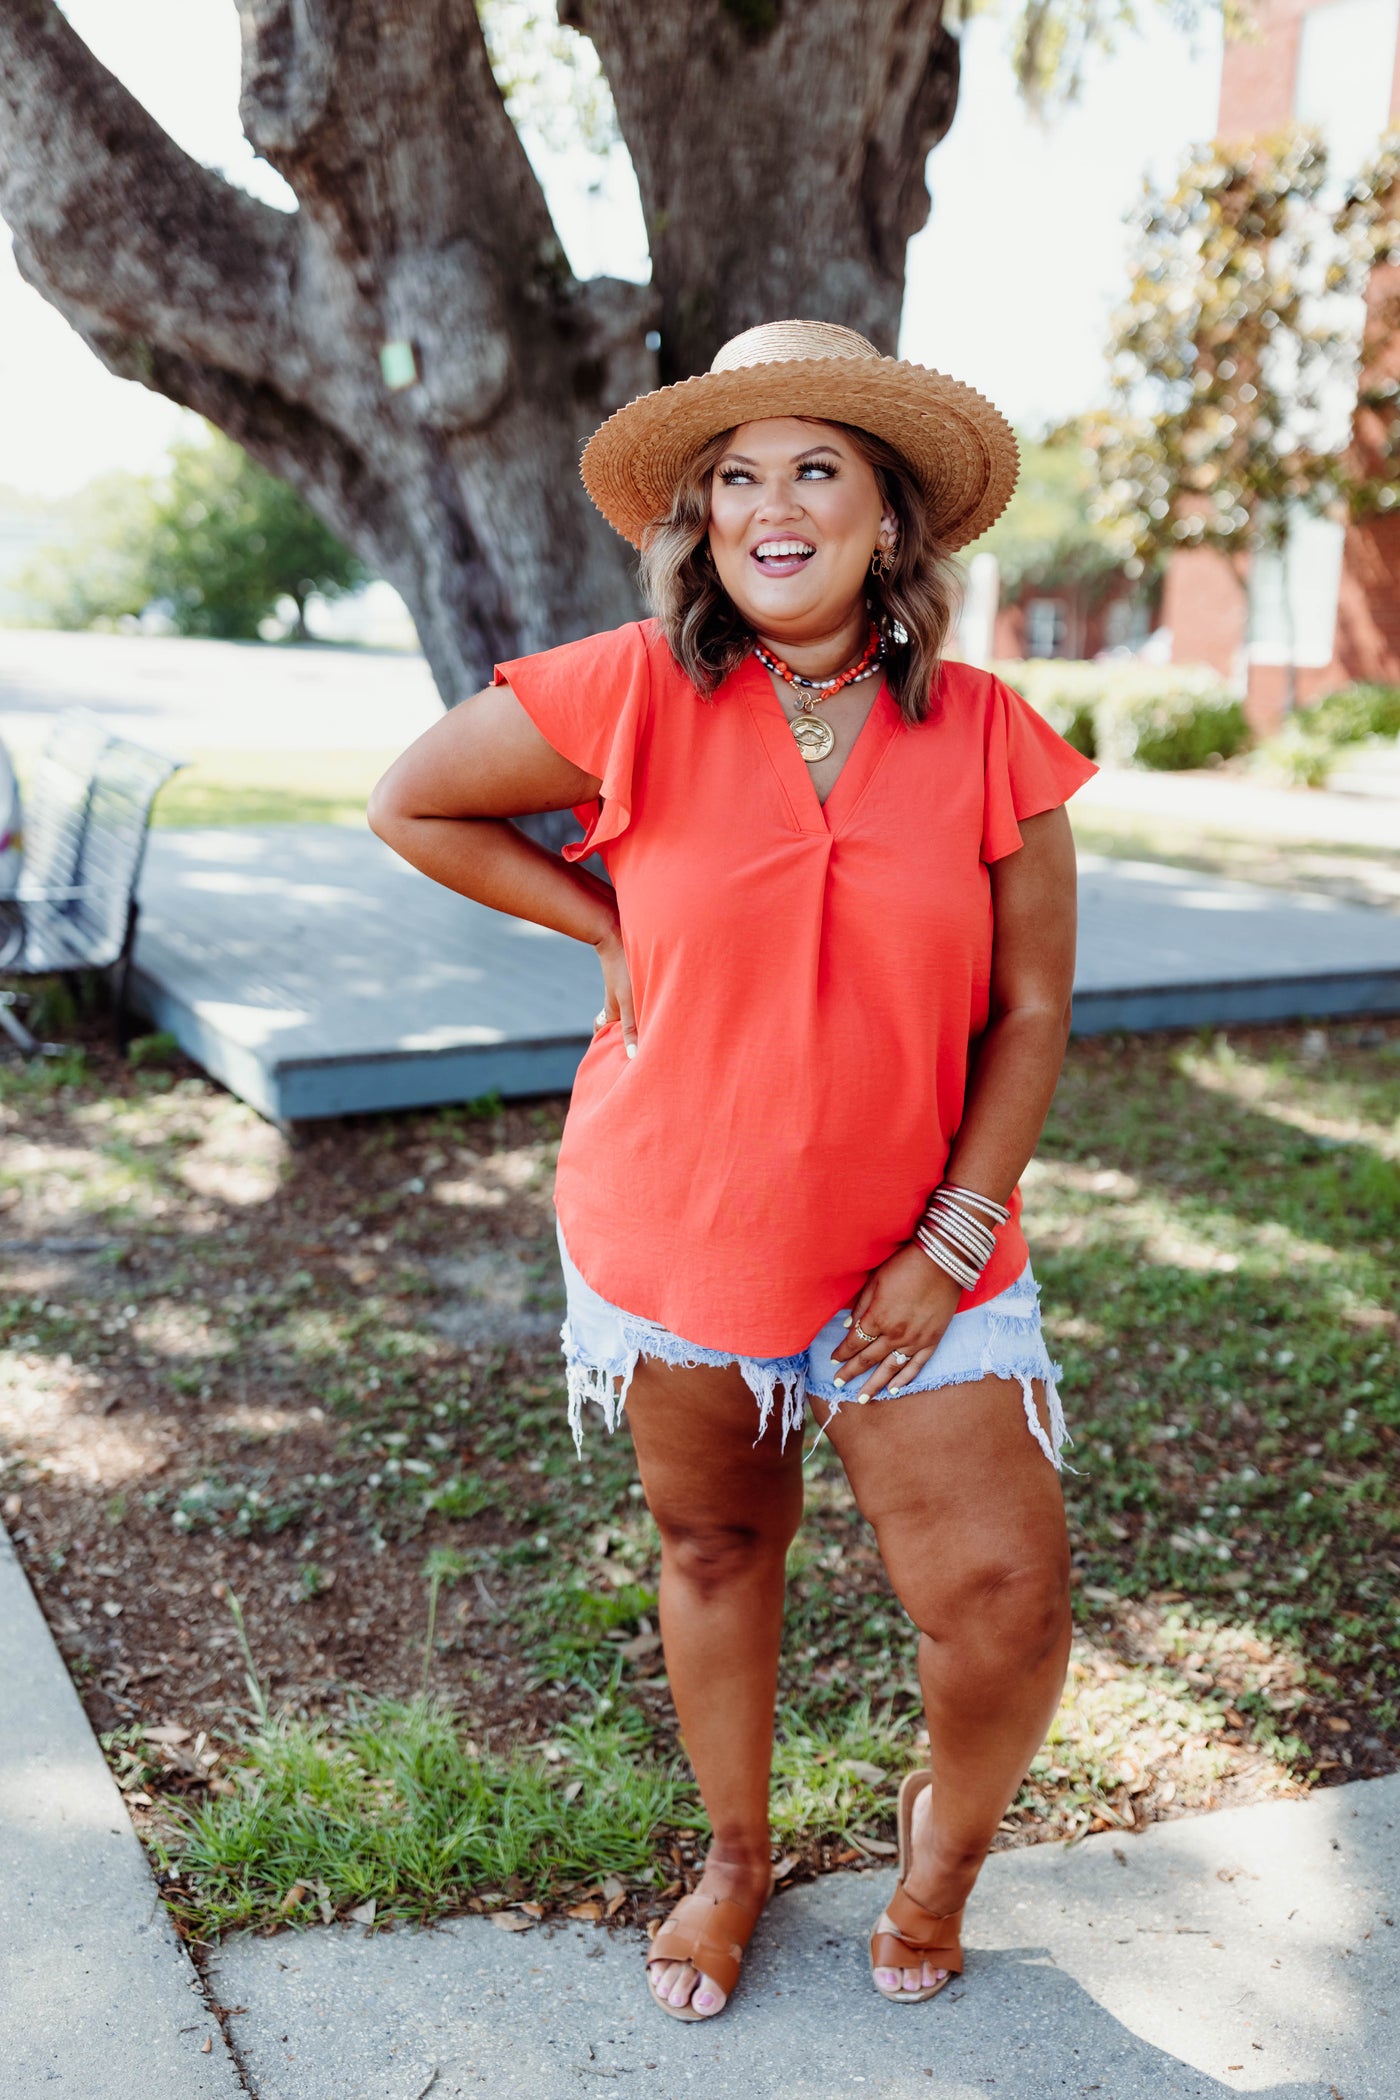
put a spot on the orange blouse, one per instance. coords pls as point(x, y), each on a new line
point(809, 980)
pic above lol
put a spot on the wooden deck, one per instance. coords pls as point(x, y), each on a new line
point(315, 974)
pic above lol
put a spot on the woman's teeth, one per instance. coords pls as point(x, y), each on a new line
point(783, 550)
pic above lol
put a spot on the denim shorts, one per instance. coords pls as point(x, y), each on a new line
point(1000, 1339)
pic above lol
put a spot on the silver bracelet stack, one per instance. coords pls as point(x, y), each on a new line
point(957, 1230)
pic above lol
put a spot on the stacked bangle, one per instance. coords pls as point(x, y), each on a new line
point(957, 1230)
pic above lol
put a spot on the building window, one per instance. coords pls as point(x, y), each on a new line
point(1046, 627)
point(1293, 594)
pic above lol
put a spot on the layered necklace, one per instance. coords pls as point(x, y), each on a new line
point(814, 737)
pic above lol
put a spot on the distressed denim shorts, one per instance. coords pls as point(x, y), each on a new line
point(1001, 1339)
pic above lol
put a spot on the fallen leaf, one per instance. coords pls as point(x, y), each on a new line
point(206, 2045)
point(112, 1608)
point(589, 1913)
point(1337, 1725)
point(533, 1910)
point(511, 1921)
point(323, 1901)
point(785, 1866)
point(641, 1644)
point(167, 1733)
point(878, 1848)
point(613, 1887)
point(616, 1902)
point(295, 1895)
point(873, 1775)
point(1097, 1595)
point(573, 1790)
point(363, 1913)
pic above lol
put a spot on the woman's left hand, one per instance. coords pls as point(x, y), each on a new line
point(904, 1305)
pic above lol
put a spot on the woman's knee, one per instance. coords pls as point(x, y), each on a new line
point(711, 1554)
point(1012, 1613)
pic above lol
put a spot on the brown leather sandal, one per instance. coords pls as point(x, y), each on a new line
point(710, 1932)
point(919, 1935)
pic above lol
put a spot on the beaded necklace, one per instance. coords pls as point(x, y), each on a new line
point(815, 738)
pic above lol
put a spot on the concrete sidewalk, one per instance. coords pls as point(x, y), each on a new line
point(1256, 1951)
point(98, 1999)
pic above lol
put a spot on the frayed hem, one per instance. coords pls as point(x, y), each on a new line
point(1005, 1356)
point(1023, 1373)
point(606, 1385)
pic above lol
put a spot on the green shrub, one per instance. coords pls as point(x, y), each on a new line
point(1353, 714)
point(1124, 714)
point(1305, 749)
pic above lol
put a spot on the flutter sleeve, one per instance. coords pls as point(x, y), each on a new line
point(589, 699)
point(1029, 768)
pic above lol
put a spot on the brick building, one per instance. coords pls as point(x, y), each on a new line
point(1335, 611)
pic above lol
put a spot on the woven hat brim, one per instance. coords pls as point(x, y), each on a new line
point(959, 447)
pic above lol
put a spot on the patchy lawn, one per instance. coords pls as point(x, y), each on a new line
point(283, 1450)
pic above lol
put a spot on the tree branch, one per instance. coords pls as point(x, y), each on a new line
point(118, 227)
point(389, 120)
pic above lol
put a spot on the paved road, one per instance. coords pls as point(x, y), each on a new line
point(208, 696)
point(200, 696)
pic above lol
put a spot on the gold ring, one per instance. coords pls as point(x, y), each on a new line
point(863, 1335)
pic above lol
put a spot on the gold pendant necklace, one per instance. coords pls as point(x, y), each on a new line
point(814, 737)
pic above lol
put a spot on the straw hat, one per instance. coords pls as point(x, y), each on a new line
point(961, 449)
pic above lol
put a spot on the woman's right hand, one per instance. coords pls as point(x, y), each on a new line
point(617, 989)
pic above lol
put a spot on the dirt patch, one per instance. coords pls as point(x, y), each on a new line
point(312, 1373)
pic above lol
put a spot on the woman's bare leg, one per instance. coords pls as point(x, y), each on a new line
point(970, 1524)
point(727, 1509)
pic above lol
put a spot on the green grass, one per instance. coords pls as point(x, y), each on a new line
point(272, 787)
point(401, 1808)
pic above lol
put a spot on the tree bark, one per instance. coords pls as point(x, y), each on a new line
point(780, 150)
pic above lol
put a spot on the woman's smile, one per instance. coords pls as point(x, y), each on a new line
point(782, 556)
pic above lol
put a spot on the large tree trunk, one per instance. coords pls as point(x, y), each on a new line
point(779, 147)
point(780, 151)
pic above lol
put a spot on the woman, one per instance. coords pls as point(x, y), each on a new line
point(839, 868)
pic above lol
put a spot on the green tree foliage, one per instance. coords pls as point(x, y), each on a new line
point(1048, 535)
point(95, 574)
point(228, 541)
point(1241, 340)
point(1367, 224)
point(1223, 355)
point(217, 543)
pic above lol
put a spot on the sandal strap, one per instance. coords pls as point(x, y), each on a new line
point(710, 1932)
point(920, 1935)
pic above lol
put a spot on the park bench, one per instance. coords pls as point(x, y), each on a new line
point(73, 907)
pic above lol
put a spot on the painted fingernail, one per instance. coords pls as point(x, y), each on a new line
point(861, 1399)
point(631, 1049)
point(845, 1323)
point(839, 1383)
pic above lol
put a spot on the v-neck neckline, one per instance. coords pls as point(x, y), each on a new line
point(808, 811)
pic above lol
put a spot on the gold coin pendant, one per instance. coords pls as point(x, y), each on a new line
point(815, 738)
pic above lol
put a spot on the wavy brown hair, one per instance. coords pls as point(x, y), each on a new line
point(913, 606)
